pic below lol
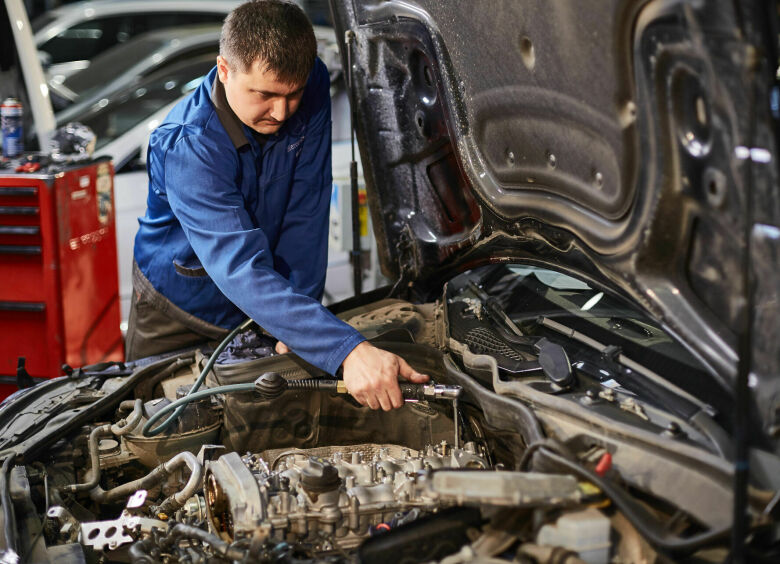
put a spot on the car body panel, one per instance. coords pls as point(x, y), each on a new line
point(630, 164)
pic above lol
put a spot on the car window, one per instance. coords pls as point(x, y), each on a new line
point(203, 50)
point(91, 83)
point(112, 63)
point(110, 119)
point(85, 40)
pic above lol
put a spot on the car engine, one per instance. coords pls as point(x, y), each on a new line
point(522, 465)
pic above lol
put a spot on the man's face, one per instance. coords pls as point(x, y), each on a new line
point(257, 97)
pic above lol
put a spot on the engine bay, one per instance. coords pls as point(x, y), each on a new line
point(553, 452)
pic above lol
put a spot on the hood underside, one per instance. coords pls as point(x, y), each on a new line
point(629, 142)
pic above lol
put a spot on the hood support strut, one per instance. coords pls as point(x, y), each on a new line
point(356, 254)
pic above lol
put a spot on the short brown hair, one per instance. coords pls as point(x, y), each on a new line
point(275, 32)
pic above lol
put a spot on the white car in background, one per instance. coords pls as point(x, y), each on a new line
point(130, 62)
point(69, 37)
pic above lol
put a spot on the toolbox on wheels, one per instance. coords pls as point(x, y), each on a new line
point(59, 288)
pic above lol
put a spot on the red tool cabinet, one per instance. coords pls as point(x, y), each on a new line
point(59, 287)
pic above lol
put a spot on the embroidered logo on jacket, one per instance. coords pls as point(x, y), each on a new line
point(295, 145)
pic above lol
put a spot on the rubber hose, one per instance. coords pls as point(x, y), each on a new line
point(178, 499)
point(125, 426)
point(121, 428)
point(140, 552)
point(126, 405)
point(155, 476)
point(644, 523)
point(229, 388)
point(220, 547)
point(94, 457)
point(148, 431)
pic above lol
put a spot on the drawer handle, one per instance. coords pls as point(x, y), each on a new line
point(18, 210)
point(21, 191)
point(22, 306)
point(20, 249)
point(19, 229)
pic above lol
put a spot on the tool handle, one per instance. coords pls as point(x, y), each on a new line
point(412, 391)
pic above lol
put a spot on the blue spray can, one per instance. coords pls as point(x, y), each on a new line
point(11, 119)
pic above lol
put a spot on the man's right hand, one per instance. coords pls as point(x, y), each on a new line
point(371, 376)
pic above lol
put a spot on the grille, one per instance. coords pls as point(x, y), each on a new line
point(481, 340)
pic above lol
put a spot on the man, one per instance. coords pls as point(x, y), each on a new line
point(237, 213)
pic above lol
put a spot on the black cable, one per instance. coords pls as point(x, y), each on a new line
point(536, 441)
point(217, 544)
point(647, 525)
point(550, 444)
point(141, 552)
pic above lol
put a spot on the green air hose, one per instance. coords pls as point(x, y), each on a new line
point(180, 404)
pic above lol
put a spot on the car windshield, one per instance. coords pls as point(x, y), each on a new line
point(540, 292)
point(110, 119)
point(507, 310)
point(145, 52)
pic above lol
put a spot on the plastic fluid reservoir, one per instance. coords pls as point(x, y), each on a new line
point(584, 532)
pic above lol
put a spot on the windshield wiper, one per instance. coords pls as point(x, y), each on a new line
point(551, 357)
point(614, 352)
point(497, 313)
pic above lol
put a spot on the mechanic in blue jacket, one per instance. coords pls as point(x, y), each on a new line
point(237, 215)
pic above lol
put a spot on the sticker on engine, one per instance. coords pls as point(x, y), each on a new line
point(103, 188)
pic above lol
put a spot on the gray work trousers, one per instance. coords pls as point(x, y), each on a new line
point(156, 325)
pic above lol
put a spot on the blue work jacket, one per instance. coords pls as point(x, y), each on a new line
point(237, 227)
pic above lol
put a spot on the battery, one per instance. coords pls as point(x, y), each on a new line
point(11, 118)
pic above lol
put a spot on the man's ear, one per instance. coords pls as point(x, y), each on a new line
point(222, 69)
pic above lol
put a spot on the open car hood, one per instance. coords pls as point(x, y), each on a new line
point(629, 142)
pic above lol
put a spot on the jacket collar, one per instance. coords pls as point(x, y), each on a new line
point(226, 116)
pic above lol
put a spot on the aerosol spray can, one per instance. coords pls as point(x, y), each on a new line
point(11, 118)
